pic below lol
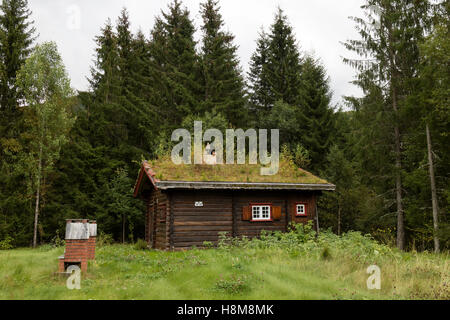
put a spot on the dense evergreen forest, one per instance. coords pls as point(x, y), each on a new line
point(67, 154)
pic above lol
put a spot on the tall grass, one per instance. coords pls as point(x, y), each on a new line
point(295, 265)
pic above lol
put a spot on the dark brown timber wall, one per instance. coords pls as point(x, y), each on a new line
point(193, 225)
point(287, 201)
point(252, 228)
point(186, 225)
point(308, 198)
point(156, 220)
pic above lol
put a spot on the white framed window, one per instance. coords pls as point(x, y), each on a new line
point(261, 213)
point(300, 209)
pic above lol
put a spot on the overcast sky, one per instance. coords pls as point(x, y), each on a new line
point(319, 26)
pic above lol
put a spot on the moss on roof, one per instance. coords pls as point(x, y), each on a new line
point(166, 170)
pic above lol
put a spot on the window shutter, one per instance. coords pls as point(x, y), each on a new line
point(276, 213)
point(247, 213)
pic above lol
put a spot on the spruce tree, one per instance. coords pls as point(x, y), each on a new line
point(259, 86)
point(105, 86)
point(316, 114)
point(174, 62)
point(113, 124)
point(284, 65)
point(390, 36)
point(133, 114)
point(105, 67)
point(124, 40)
point(223, 83)
point(142, 76)
point(16, 39)
point(291, 92)
point(121, 88)
point(125, 113)
point(142, 91)
point(276, 67)
point(426, 151)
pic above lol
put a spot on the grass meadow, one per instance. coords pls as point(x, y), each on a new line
point(281, 267)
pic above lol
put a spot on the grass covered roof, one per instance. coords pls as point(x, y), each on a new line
point(165, 170)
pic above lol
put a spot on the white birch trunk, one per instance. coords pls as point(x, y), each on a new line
point(433, 192)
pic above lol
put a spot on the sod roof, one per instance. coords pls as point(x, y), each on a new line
point(164, 173)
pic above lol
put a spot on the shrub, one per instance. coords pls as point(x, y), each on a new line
point(208, 244)
point(303, 240)
point(141, 245)
point(232, 285)
point(326, 254)
point(236, 263)
point(7, 243)
point(104, 239)
point(57, 241)
point(225, 240)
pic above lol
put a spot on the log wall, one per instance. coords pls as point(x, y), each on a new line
point(193, 225)
point(173, 220)
point(156, 220)
point(251, 228)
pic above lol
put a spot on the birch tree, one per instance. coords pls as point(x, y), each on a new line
point(45, 86)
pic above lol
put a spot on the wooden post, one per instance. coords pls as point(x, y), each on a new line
point(287, 215)
point(339, 219)
point(234, 215)
point(317, 216)
point(170, 221)
point(123, 228)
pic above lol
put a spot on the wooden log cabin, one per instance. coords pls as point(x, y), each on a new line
point(190, 204)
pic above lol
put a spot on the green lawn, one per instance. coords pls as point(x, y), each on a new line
point(122, 272)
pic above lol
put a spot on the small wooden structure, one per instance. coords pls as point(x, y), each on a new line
point(80, 244)
point(181, 214)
